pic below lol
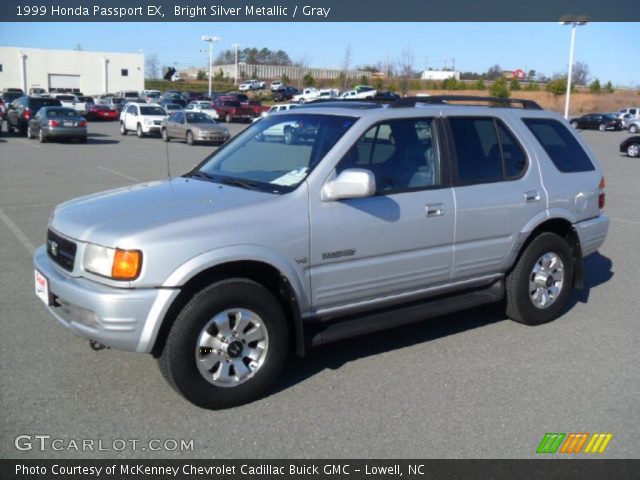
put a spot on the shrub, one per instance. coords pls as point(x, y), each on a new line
point(609, 87)
point(201, 75)
point(532, 87)
point(595, 87)
point(479, 85)
point(499, 89)
point(515, 85)
point(558, 86)
point(308, 80)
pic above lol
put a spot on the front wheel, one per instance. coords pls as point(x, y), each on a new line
point(288, 136)
point(633, 129)
point(139, 131)
point(633, 150)
point(539, 285)
point(189, 138)
point(574, 125)
point(123, 129)
point(602, 127)
point(165, 135)
point(228, 118)
point(227, 345)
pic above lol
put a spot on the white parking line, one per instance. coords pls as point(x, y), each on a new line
point(22, 238)
point(632, 222)
point(134, 179)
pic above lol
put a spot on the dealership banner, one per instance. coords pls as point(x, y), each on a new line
point(315, 11)
point(318, 469)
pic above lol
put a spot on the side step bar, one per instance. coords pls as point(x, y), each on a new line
point(403, 315)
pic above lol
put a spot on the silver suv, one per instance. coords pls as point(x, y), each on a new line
point(370, 217)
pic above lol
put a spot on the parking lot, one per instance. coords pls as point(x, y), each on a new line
point(468, 385)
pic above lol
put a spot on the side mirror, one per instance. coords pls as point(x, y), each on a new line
point(351, 183)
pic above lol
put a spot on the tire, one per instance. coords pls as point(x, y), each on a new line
point(82, 140)
point(30, 135)
point(42, 137)
point(542, 255)
point(633, 150)
point(633, 129)
point(23, 129)
point(602, 127)
point(574, 125)
point(195, 326)
point(189, 138)
point(123, 130)
point(165, 135)
point(139, 131)
point(228, 118)
point(288, 136)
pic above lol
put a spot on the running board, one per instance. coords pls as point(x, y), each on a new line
point(403, 315)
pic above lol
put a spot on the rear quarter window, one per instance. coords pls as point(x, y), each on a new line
point(561, 146)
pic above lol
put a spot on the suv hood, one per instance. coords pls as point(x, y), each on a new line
point(109, 218)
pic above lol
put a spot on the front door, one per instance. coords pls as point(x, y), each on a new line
point(395, 242)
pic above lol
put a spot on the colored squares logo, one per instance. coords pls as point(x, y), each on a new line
point(574, 442)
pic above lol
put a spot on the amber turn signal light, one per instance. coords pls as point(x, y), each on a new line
point(126, 264)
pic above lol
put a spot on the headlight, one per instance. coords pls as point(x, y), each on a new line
point(112, 262)
point(147, 121)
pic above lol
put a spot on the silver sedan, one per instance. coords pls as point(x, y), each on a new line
point(193, 127)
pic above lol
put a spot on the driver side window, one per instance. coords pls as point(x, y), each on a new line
point(401, 154)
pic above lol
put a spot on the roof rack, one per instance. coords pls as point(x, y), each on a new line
point(445, 99)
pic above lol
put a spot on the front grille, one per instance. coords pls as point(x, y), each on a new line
point(61, 250)
point(157, 122)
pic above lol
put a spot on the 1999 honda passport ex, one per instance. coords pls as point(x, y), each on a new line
point(380, 217)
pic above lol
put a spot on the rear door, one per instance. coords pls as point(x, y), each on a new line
point(497, 191)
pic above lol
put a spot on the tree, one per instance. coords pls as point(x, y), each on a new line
point(346, 63)
point(557, 86)
point(580, 73)
point(202, 75)
point(219, 75)
point(609, 87)
point(405, 69)
point(479, 85)
point(499, 88)
point(494, 72)
point(515, 85)
point(151, 66)
point(308, 80)
point(532, 87)
point(595, 87)
point(531, 76)
point(285, 79)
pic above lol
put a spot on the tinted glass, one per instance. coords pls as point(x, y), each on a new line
point(151, 111)
point(513, 156)
point(43, 102)
point(477, 149)
point(277, 153)
point(401, 154)
point(197, 117)
point(61, 112)
point(562, 147)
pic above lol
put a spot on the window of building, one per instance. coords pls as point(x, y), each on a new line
point(124, 72)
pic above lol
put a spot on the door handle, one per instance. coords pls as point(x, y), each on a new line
point(532, 196)
point(434, 210)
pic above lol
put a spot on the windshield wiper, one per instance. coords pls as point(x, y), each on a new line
point(238, 182)
point(198, 174)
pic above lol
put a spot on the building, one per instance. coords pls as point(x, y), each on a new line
point(91, 73)
point(274, 72)
point(439, 75)
point(517, 74)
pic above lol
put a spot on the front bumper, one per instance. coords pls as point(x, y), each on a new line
point(210, 137)
point(151, 128)
point(122, 318)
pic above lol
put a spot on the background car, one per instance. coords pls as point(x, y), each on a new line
point(193, 127)
point(597, 121)
point(631, 146)
point(202, 106)
point(386, 95)
point(101, 112)
point(632, 124)
point(283, 94)
point(171, 107)
point(23, 109)
point(115, 103)
point(142, 118)
point(57, 122)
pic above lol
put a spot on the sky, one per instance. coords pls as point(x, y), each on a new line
point(608, 49)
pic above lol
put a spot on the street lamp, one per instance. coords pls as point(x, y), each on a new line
point(210, 39)
point(235, 46)
point(575, 22)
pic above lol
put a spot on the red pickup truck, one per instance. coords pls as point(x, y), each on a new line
point(230, 109)
point(257, 107)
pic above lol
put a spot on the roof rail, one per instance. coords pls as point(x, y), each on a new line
point(445, 99)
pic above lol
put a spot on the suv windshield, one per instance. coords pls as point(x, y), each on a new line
point(151, 111)
point(277, 153)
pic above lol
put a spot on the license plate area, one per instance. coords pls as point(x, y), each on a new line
point(42, 288)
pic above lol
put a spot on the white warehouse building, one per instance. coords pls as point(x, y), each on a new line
point(91, 73)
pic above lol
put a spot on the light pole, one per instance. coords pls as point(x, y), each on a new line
point(574, 23)
point(235, 46)
point(210, 39)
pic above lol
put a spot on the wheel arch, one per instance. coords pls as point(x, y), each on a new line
point(263, 273)
point(563, 227)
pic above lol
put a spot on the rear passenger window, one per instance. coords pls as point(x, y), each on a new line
point(561, 146)
point(485, 150)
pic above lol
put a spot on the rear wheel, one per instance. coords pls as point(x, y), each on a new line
point(228, 118)
point(602, 127)
point(42, 137)
point(30, 135)
point(288, 136)
point(633, 129)
point(574, 125)
point(123, 129)
point(539, 285)
point(633, 150)
point(165, 135)
point(227, 345)
point(82, 140)
point(139, 131)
